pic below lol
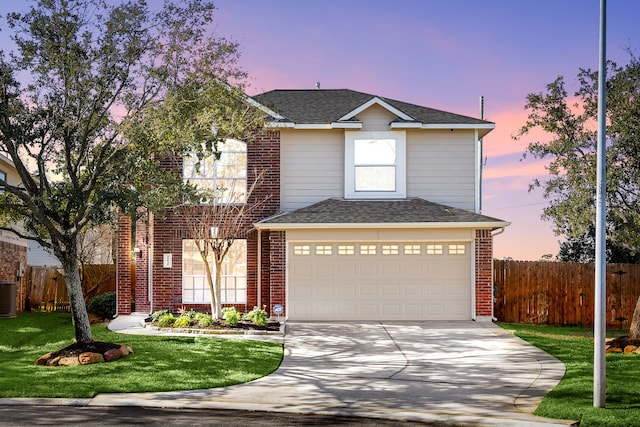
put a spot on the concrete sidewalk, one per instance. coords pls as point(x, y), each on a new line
point(459, 373)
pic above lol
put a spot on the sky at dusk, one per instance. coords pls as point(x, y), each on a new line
point(439, 54)
point(444, 55)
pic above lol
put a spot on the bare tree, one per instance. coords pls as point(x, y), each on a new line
point(215, 225)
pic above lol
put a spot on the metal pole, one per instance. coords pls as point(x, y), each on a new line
point(480, 156)
point(600, 325)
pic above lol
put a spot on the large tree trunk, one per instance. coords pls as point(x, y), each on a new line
point(211, 283)
point(217, 295)
point(78, 308)
point(634, 329)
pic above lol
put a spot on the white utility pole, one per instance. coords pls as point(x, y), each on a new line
point(600, 324)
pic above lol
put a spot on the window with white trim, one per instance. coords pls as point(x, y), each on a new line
point(367, 249)
point(323, 250)
point(346, 250)
point(225, 178)
point(456, 250)
point(233, 287)
point(412, 249)
point(3, 178)
point(434, 250)
point(389, 250)
point(375, 164)
point(301, 250)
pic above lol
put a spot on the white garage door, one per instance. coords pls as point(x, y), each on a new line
point(379, 281)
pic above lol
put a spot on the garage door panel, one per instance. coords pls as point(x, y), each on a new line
point(388, 269)
point(345, 290)
point(368, 290)
point(391, 289)
point(412, 290)
point(368, 311)
point(324, 290)
point(391, 310)
point(407, 285)
point(345, 310)
point(413, 310)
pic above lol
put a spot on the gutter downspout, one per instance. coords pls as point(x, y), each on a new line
point(150, 264)
point(259, 278)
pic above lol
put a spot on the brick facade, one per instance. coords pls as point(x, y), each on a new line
point(484, 273)
point(277, 270)
point(12, 256)
point(167, 232)
point(123, 266)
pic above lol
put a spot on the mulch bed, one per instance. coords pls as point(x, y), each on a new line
point(76, 349)
point(219, 326)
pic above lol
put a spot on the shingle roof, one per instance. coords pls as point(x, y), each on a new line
point(412, 210)
point(328, 105)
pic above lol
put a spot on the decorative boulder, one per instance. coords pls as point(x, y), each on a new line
point(88, 357)
point(42, 360)
point(68, 361)
point(113, 354)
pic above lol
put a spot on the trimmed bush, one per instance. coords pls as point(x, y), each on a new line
point(166, 320)
point(231, 316)
point(103, 305)
point(183, 321)
point(204, 320)
point(258, 316)
point(157, 315)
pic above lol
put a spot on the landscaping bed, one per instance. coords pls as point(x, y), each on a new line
point(255, 322)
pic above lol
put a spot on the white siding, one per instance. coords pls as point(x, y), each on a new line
point(311, 167)
point(441, 167)
point(376, 118)
point(440, 163)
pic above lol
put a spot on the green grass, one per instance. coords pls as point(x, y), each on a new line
point(572, 398)
point(157, 364)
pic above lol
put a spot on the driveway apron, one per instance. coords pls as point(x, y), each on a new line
point(463, 373)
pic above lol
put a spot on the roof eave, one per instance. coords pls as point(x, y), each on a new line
point(489, 225)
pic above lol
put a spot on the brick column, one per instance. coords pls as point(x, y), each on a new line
point(141, 291)
point(277, 270)
point(484, 274)
point(123, 266)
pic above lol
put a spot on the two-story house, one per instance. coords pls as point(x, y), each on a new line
point(372, 214)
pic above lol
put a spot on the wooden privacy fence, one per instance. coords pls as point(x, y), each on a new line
point(562, 293)
point(46, 288)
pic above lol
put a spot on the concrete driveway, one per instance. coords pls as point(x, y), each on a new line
point(460, 373)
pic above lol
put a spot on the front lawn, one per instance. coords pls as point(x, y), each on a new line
point(572, 398)
point(157, 364)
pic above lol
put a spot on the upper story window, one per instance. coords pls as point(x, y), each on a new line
point(225, 178)
point(3, 179)
point(375, 164)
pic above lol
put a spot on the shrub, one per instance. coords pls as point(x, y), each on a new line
point(191, 314)
point(204, 320)
point(103, 305)
point(182, 322)
point(258, 316)
point(156, 316)
point(231, 316)
point(166, 320)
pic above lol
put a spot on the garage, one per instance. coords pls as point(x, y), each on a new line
point(379, 280)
